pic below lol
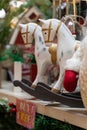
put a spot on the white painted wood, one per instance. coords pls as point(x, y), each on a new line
point(17, 74)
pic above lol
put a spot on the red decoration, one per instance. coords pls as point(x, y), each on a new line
point(13, 107)
point(33, 72)
point(13, 110)
point(11, 104)
point(33, 16)
point(26, 113)
point(70, 80)
point(19, 40)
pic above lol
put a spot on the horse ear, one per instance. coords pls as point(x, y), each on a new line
point(20, 25)
point(42, 20)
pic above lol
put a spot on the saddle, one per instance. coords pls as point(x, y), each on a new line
point(53, 52)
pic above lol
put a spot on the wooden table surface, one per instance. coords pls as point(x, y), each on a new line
point(74, 116)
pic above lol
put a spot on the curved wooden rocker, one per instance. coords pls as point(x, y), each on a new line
point(29, 83)
point(74, 94)
point(42, 91)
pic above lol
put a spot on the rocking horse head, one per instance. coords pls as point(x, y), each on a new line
point(27, 32)
point(50, 28)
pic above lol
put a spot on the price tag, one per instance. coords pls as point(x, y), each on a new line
point(26, 112)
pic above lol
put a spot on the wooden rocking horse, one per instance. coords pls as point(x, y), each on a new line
point(43, 59)
point(66, 45)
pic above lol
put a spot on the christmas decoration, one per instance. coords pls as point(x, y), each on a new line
point(6, 15)
point(8, 119)
point(8, 116)
point(15, 53)
point(11, 54)
point(2, 13)
point(74, 24)
point(32, 58)
point(72, 68)
point(52, 28)
point(47, 123)
point(70, 80)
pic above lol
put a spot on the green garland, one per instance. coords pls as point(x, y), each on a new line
point(32, 58)
point(14, 53)
point(8, 116)
point(47, 123)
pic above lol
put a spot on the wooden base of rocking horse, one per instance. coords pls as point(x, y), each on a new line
point(55, 90)
point(43, 92)
point(27, 82)
point(25, 86)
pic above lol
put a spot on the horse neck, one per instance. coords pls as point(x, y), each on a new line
point(64, 35)
point(39, 40)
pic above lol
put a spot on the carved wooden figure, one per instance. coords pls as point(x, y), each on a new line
point(66, 45)
point(32, 31)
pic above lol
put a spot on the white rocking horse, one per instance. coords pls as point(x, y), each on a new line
point(32, 31)
point(66, 45)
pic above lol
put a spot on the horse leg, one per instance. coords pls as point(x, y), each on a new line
point(41, 69)
point(58, 85)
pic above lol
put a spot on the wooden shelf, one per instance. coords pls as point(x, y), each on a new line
point(74, 116)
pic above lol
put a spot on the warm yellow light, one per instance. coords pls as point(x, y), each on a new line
point(14, 22)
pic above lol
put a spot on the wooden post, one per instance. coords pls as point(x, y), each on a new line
point(74, 7)
point(17, 74)
point(54, 9)
point(67, 9)
point(55, 4)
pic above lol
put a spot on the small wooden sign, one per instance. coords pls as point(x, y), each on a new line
point(26, 112)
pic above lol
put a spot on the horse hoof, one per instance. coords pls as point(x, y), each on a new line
point(76, 46)
point(33, 86)
point(55, 90)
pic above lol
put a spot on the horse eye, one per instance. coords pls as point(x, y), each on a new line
point(45, 33)
point(23, 35)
